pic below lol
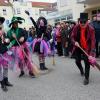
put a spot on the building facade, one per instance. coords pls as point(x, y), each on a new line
point(67, 10)
point(10, 8)
point(92, 7)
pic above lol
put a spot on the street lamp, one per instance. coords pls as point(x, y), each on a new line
point(11, 5)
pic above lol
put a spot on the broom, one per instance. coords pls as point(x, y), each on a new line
point(94, 60)
point(35, 69)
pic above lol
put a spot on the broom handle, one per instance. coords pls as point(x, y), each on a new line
point(83, 51)
point(22, 49)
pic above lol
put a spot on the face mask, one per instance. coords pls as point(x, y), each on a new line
point(41, 23)
point(83, 22)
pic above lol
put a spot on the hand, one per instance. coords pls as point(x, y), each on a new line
point(7, 40)
point(77, 44)
point(51, 40)
point(13, 35)
point(27, 12)
point(21, 39)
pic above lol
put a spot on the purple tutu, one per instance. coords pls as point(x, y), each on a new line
point(5, 59)
point(41, 47)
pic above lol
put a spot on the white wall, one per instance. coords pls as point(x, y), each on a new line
point(70, 6)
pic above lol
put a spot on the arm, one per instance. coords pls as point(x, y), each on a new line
point(12, 41)
point(34, 23)
point(73, 35)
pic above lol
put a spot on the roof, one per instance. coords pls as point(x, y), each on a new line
point(3, 3)
point(42, 4)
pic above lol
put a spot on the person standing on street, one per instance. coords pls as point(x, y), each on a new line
point(4, 58)
point(83, 35)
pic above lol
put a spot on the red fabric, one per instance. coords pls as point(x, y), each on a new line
point(82, 38)
point(90, 38)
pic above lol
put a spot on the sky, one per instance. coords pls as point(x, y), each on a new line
point(44, 0)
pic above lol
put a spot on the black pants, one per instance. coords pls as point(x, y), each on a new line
point(59, 49)
point(79, 55)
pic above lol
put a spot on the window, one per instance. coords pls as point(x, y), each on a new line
point(63, 18)
point(4, 12)
point(69, 17)
point(15, 0)
point(57, 20)
point(18, 11)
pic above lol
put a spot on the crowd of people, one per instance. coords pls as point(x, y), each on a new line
point(64, 39)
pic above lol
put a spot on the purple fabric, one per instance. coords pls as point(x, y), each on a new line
point(44, 47)
point(20, 56)
point(34, 42)
point(5, 59)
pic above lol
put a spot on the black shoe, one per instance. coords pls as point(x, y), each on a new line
point(45, 68)
point(86, 81)
point(3, 86)
point(42, 66)
point(7, 83)
point(21, 74)
point(31, 74)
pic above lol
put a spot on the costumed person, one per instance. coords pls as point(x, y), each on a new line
point(53, 42)
point(83, 35)
point(4, 58)
point(58, 39)
point(18, 37)
point(96, 24)
point(40, 42)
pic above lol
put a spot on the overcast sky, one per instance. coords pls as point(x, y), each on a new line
point(44, 0)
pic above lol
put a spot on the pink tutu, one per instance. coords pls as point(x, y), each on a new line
point(20, 53)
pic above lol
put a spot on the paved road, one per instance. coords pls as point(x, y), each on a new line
point(63, 82)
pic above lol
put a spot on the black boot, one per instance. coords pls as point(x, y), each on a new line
point(42, 66)
point(86, 81)
point(7, 83)
point(31, 74)
point(21, 74)
point(3, 86)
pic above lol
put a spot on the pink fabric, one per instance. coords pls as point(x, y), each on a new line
point(5, 59)
point(92, 60)
point(46, 48)
point(20, 58)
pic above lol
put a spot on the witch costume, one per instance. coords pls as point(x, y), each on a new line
point(40, 43)
point(18, 37)
point(85, 37)
point(4, 58)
